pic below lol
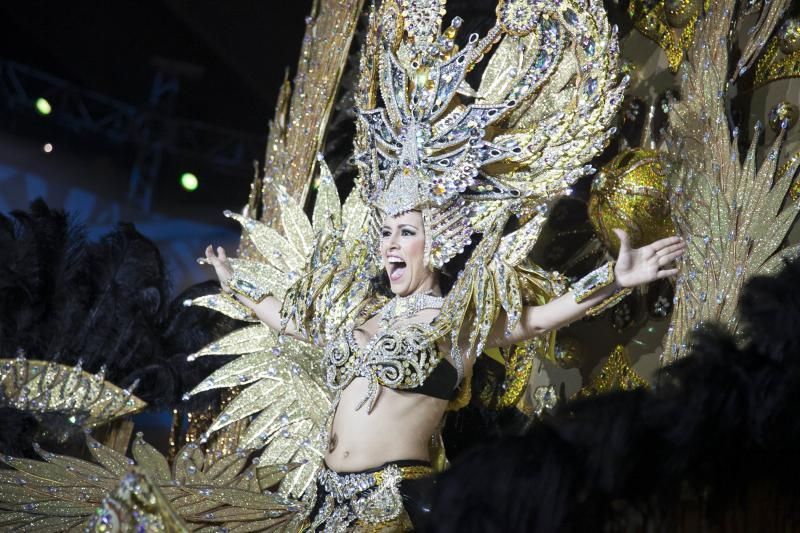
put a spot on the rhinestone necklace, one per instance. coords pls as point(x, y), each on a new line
point(401, 307)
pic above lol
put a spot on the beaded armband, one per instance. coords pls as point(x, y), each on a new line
point(595, 281)
point(245, 287)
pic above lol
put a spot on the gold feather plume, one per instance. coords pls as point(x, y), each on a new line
point(732, 211)
point(87, 400)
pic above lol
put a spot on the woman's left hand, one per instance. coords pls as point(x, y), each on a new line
point(637, 266)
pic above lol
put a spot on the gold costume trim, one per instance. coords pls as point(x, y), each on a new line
point(364, 501)
point(593, 282)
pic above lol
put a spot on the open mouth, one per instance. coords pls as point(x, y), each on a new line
point(396, 267)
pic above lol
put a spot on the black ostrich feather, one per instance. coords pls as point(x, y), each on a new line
point(720, 424)
point(106, 304)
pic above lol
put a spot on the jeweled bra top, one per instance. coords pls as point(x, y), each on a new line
point(401, 358)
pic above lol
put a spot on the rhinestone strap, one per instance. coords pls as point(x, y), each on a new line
point(593, 282)
point(244, 287)
point(609, 302)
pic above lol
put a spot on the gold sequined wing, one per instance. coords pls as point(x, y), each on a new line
point(566, 120)
point(65, 493)
point(335, 283)
point(313, 266)
point(564, 124)
point(86, 399)
point(730, 208)
point(564, 58)
point(282, 395)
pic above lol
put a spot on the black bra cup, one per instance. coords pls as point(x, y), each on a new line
point(441, 383)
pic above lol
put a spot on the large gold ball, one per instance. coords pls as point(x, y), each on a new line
point(789, 36)
point(630, 193)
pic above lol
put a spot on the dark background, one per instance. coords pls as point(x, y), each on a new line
point(226, 59)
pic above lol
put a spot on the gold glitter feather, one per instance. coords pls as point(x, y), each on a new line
point(62, 492)
point(731, 210)
point(651, 20)
point(616, 374)
point(327, 209)
point(285, 402)
point(225, 304)
point(87, 400)
point(302, 112)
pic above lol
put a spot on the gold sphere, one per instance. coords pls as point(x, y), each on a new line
point(630, 193)
point(680, 12)
point(789, 36)
point(782, 111)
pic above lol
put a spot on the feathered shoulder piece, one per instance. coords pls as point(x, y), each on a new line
point(321, 269)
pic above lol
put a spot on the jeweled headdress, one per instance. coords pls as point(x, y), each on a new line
point(461, 155)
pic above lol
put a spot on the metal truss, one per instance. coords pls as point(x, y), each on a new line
point(150, 129)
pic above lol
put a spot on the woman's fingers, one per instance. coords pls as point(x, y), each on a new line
point(661, 274)
point(209, 257)
point(671, 248)
point(220, 263)
point(210, 254)
point(667, 241)
point(218, 260)
point(669, 258)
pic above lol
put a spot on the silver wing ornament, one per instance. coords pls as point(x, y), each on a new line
point(283, 392)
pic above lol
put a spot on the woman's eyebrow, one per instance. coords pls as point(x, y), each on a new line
point(408, 226)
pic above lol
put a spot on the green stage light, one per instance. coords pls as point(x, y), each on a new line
point(189, 181)
point(43, 106)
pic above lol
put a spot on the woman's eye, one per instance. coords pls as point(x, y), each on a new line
point(385, 234)
point(408, 233)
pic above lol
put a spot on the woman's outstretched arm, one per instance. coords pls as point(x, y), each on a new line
point(267, 310)
point(635, 266)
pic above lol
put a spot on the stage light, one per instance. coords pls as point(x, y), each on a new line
point(47, 148)
point(189, 181)
point(43, 106)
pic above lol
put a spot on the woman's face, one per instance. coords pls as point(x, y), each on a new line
point(403, 254)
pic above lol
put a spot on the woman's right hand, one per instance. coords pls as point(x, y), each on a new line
point(221, 265)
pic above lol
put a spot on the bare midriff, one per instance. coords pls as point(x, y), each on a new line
point(399, 427)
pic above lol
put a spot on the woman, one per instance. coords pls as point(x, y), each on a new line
point(445, 166)
point(396, 427)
